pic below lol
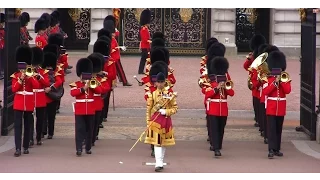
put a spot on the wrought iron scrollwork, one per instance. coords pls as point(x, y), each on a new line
point(244, 28)
point(82, 25)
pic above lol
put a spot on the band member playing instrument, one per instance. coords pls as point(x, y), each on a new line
point(23, 83)
point(145, 19)
point(255, 42)
point(100, 80)
point(84, 108)
point(217, 106)
point(39, 94)
point(204, 58)
point(24, 33)
point(103, 47)
point(279, 85)
point(109, 24)
point(161, 105)
point(40, 28)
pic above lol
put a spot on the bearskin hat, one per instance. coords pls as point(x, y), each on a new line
point(167, 54)
point(108, 18)
point(255, 42)
point(96, 62)
point(104, 38)
point(218, 66)
point(2, 18)
point(158, 42)
point(23, 54)
point(49, 60)
point(277, 59)
point(37, 55)
point(24, 19)
point(56, 39)
point(104, 32)
point(101, 58)
point(102, 47)
point(271, 48)
point(216, 49)
point(56, 15)
point(262, 48)
point(40, 25)
point(210, 41)
point(84, 65)
point(158, 35)
point(53, 48)
point(53, 21)
point(145, 17)
point(157, 54)
point(47, 19)
point(109, 25)
point(156, 68)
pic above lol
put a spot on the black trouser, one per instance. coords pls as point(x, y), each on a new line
point(275, 124)
point(18, 116)
point(32, 127)
point(256, 102)
point(217, 125)
point(120, 73)
point(253, 102)
point(50, 118)
point(263, 119)
point(144, 56)
point(1, 61)
point(105, 109)
point(58, 105)
point(97, 120)
point(208, 125)
point(84, 130)
point(41, 116)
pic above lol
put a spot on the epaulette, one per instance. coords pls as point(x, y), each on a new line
point(60, 64)
point(208, 89)
point(110, 62)
point(203, 57)
point(104, 79)
point(13, 75)
point(171, 69)
point(148, 60)
point(147, 88)
point(73, 85)
point(57, 74)
point(45, 71)
point(207, 84)
point(148, 84)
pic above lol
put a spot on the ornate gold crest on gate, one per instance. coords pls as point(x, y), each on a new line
point(186, 14)
point(74, 13)
point(303, 14)
point(137, 13)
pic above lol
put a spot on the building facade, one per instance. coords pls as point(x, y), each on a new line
point(186, 29)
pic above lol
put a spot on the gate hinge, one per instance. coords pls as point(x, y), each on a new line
point(318, 110)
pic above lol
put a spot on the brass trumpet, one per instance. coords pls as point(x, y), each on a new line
point(29, 71)
point(284, 77)
point(228, 85)
point(93, 83)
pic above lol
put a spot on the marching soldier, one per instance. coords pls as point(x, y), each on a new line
point(23, 83)
point(56, 15)
point(216, 95)
point(279, 85)
point(24, 33)
point(101, 80)
point(39, 94)
point(40, 28)
point(84, 108)
point(104, 32)
point(115, 51)
point(161, 105)
point(103, 47)
point(158, 34)
point(204, 58)
point(47, 18)
point(255, 42)
point(145, 19)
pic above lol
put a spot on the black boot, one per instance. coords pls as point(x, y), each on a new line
point(278, 153)
point(79, 152)
point(256, 124)
point(265, 141)
point(217, 153)
point(88, 152)
point(211, 148)
point(70, 67)
point(208, 139)
point(17, 153)
point(158, 169)
point(152, 153)
point(31, 143)
point(100, 125)
point(270, 154)
point(25, 151)
point(39, 143)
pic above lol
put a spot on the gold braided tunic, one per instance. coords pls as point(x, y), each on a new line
point(160, 132)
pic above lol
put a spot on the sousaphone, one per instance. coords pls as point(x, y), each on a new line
point(255, 64)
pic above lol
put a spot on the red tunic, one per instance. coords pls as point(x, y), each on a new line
point(117, 33)
point(1, 38)
point(98, 101)
point(41, 41)
point(58, 82)
point(110, 68)
point(115, 52)
point(55, 30)
point(63, 59)
point(248, 62)
point(39, 94)
point(60, 70)
point(150, 88)
point(256, 85)
point(144, 36)
point(263, 96)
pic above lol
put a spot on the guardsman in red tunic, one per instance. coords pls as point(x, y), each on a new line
point(57, 39)
point(217, 104)
point(145, 19)
point(23, 104)
point(255, 43)
point(103, 47)
point(24, 33)
point(97, 60)
point(56, 15)
point(84, 108)
point(204, 58)
point(279, 85)
point(40, 28)
point(39, 94)
point(47, 18)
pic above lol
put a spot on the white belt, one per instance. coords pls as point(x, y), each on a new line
point(84, 100)
point(38, 90)
point(96, 94)
point(276, 99)
point(214, 100)
point(24, 93)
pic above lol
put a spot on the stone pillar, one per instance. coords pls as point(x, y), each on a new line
point(223, 27)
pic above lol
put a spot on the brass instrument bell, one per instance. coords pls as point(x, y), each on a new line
point(93, 83)
point(29, 71)
point(259, 60)
point(228, 84)
point(284, 77)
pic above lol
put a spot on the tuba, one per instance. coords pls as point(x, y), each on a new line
point(255, 64)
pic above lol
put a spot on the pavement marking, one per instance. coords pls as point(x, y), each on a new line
point(303, 147)
point(9, 144)
point(153, 164)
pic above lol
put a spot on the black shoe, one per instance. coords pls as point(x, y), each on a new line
point(265, 141)
point(97, 138)
point(105, 120)
point(57, 111)
point(217, 153)
point(278, 153)
point(256, 124)
point(152, 153)
point(100, 125)
point(50, 137)
point(211, 148)
point(88, 152)
point(128, 84)
point(92, 144)
point(70, 67)
point(158, 169)
point(270, 154)
point(26, 151)
point(79, 153)
point(17, 153)
point(67, 71)
point(208, 139)
point(39, 143)
point(31, 143)
point(261, 133)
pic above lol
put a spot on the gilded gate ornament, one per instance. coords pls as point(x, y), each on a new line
point(186, 14)
point(303, 14)
point(137, 13)
point(251, 13)
point(18, 12)
point(116, 15)
point(74, 13)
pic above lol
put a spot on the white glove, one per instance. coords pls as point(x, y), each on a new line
point(162, 111)
point(123, 48)
point(116, 29)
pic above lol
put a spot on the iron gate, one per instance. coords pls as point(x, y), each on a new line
point(308, 115)
point(12, 41)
